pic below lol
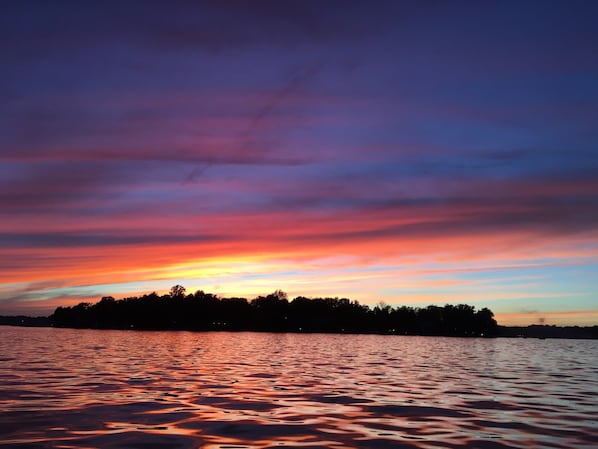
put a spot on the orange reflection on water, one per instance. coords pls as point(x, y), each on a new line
point(114, 389)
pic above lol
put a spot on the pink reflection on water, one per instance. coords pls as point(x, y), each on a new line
point(115, 389)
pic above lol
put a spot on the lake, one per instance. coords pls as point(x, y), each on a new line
point(65, 388)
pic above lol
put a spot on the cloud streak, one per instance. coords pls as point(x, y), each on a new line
point(408, 152)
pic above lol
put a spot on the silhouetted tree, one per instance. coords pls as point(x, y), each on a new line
point(404, 320)
point(485, 324)
point(205, 311)
point(382, 317)
point(270, 312)
point(177, 291)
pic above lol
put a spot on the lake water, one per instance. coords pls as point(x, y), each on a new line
point(63, 388)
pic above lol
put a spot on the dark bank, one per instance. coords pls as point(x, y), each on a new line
point(202, 311)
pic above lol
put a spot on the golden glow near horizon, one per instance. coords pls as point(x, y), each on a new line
point(430, 278)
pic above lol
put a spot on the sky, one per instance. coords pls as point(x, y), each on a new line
point(405, 152)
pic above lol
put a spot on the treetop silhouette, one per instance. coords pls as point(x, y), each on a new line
point(202, 311)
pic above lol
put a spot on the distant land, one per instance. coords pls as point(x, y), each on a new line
point(27, 321)
point(275, 313)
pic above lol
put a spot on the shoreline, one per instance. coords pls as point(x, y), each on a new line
point(532, 331)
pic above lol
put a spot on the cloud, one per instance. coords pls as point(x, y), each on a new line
point(53, 186)
point(141, 137)
point(207, 26)
point(90, 240)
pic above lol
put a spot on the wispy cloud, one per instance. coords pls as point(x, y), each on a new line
point(416, 152)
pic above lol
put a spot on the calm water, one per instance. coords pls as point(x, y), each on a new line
point(62, 388)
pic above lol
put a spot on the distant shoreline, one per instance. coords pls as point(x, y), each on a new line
point(531, 331)
point(201, 312)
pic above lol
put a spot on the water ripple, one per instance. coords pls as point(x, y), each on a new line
point(62, 388)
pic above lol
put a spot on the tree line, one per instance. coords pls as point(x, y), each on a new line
point(202, 311)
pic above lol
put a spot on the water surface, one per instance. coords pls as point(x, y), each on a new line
point(63, 388)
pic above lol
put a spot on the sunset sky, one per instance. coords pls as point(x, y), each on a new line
point(411, 152)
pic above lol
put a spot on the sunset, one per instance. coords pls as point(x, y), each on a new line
point(407, 152)
point(326, 224)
